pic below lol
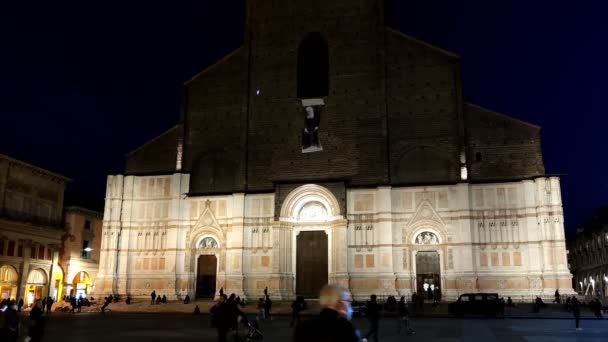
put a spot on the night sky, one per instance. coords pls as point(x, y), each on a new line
point(82, 85)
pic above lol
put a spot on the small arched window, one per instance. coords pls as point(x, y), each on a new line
point(313, 67)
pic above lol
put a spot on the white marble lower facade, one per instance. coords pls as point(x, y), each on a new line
point(497, 237)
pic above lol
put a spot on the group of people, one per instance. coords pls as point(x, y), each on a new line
point(158, 299)
point(11, 322)
point(226, 315)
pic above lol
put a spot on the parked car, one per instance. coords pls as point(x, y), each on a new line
point(486, 304)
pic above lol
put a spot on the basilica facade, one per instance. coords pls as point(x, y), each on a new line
point(330, 148)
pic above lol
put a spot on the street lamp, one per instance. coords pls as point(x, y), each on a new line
point(88, 249)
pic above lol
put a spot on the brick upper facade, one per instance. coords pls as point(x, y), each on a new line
point(394, 113)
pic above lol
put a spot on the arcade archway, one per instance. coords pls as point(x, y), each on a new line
point(9, 282)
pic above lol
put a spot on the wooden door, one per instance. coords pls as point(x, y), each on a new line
point(311, 263)
point(206, 276)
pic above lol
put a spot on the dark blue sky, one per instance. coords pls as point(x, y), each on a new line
point(81, 85)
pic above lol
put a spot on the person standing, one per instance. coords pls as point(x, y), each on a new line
point(20, 305)
point(11, 322)
point(267, 307)
point(36, 327)
point(220, 319)
point(558, 298)
point(576, 311)
point(43, 304)
point(153, 295)
point(333, 323)
point(49, 305)
point(296, 307)
point(404, 317)
point(72, 304)
point(373, 313)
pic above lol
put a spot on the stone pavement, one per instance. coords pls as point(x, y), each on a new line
point(117, 327)
point(284, 308)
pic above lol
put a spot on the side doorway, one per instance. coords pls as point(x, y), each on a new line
point(206, 276)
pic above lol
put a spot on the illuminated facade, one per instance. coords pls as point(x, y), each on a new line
point(31, 203)
point(331, 148)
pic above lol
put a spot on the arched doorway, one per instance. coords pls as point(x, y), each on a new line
point(318, 251)
point(206, 268)
point(81, 284)
point(36, 286)
point(428, 274)
point(9, 281)
point(311, 263)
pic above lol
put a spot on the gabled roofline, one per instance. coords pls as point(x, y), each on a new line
point(218, 62)
point(152, 140)
point(503, 115)
point(422, 42)
point(50, 173)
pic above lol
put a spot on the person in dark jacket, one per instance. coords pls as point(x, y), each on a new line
point(20, 305)
point(404, 317)
point(333, 323)
point(221, 319)
point(373, 314)
point(153, 296)
point(296, 307)
point(576, 311)
point(267, 307)
point(36, 328)
point(49, 305)
point(11, 323)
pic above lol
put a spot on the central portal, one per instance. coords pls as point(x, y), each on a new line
point(311, 263)
point(428, 274)
point(206, 276)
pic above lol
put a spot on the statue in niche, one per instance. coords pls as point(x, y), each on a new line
point(209, 243)
point(310, 135)
point(427, 238)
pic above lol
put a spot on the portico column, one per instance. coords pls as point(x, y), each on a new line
point(235, 245)
point(339, 250)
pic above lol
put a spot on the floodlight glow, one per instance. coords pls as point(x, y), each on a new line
point(88, 249)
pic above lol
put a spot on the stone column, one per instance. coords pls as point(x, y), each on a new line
point(339, 250)
point(383, 227)
point(235, 245)
point(24, 270)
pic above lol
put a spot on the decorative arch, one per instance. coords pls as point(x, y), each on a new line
point(304, 195)
point(37, 277)
point(422, 227)
point(8, 274)
point(313, 67)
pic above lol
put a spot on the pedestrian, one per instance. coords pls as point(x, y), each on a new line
point(197, 310)
point(558, 298)
point(220, 319)
point(296, 307)
point(158, 299)
point(267, 307)
point(576, 311)
point(164, 299)
point(333, 323)
point(79, 303)
point(72, 304)
point(20, 305)
point(11, 322)
point(153, 295)
point(221, 292)
point(373, 314)
point(404, 317)
point(49, 305)
point(596, 307)
point(107, 302)
point(261, 311)
point(510, 302)
point(36, 326)
point(43, 304)
point(187, 299)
